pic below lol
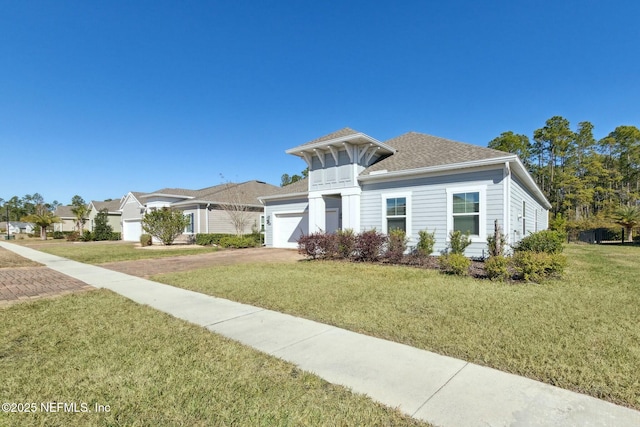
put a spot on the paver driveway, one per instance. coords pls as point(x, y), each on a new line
point(27, 283)
point(149, 267)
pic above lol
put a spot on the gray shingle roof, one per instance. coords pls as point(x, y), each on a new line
point(64, 212)
point(337, 134)
point(111, 206)
point(245, 192)
point(301, 186)
point(418, 150)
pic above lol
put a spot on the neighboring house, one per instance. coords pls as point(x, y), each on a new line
point(18, 227)
point(412, 182)
point(210, 210)
point(113, 214)
point(67, 219)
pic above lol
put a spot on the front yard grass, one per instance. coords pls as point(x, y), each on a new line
point(581, 333)
point(153, 369)
point(10, 259)
point(98, 252)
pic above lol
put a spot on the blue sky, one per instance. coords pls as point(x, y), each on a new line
point(99, 98)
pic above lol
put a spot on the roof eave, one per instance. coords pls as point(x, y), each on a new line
point(383, 176)
point(283, 196)
point(177, 196)
point(355, 138)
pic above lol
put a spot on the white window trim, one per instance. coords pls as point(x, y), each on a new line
point(482, 190)
point(384, 197)
point(192, 223)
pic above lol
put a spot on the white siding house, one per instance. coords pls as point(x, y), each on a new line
point(414, 182)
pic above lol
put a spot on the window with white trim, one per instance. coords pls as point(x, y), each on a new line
point(189, 227)
point(466, 212)
point(396, 214)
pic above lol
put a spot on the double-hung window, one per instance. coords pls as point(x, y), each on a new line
point(466, 210)
point(397, 214)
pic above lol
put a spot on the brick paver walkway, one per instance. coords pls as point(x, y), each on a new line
point(27, 283)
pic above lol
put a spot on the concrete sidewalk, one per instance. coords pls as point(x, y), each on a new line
point(438, 389)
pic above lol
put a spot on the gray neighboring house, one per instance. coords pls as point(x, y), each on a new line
point(206, 208)
point(113, 214)
point(412, 182)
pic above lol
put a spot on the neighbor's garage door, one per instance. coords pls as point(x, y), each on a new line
point(131, 230)
point(287, 228)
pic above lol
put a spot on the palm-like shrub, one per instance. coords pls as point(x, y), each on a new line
point(628, 217)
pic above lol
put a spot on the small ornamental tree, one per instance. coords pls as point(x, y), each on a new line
point(102, 230)
point(165, 224)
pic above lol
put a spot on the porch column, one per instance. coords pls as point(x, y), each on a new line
point(317, 214)
point(351, 210)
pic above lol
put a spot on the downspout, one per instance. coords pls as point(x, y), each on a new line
point(507, 202)
point(206, 214)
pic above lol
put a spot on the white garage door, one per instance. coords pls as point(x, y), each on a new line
point(287, 228)
point(131, 230)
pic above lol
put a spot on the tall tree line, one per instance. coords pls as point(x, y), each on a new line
point(583, 178)
point(20, 207)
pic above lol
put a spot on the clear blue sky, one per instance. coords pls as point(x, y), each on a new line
point(99, 98)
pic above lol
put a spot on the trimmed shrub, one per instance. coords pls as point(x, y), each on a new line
point(458, 242)
point(74, 236)
point(145, 240)
point(397, 245)
point(426, 243)
point(346, 243)
point(538, 266)
point(115, 236)
point(57, 235)
point(547, 241)
point(238, 242)
point(497, 267)
point(318, 245)
point(208, 239)
point(455, 263)
point(370, 245)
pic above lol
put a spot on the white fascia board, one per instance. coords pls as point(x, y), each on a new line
point(176, 196)
point(449, 168)
point(283, 196)
point(337, 141)
point(529, 182)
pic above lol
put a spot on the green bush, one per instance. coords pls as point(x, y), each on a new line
point(145, 240)
point(497, 267)
point(454, 263)
point(397, 245)
point(426, 243)
point(497, 241)
point(57, 235)
point(547, 241)
point(115, 236)
point(87, 236)
point(208, 239)
point(237, 242)
point(458, 242)
point(538, 266)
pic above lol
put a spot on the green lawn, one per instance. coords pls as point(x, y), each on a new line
point(581, 333)
point(152, 369)
point(98, 252)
